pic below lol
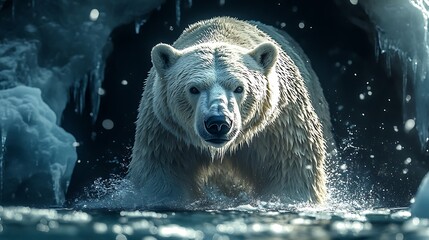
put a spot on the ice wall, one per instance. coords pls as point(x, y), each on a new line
point(61, 45)
point(47, 50)
point(36, 155)
point(401, 28)
point(19, 66)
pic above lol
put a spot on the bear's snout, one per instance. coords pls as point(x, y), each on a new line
point(218, 125)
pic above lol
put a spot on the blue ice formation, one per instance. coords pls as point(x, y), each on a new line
point(58, 46)
point(53, 48)
point(420, 207)
point(37, 156)
point(401, 36)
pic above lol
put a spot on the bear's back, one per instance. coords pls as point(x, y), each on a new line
point(222, 29)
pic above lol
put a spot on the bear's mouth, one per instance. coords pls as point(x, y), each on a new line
point(217, 140)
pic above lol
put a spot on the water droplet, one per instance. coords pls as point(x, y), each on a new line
point(76, 144)
point(101, 91)
point(395, 128)
point(294, 9)
point(409, 125)
point(399, 236)
point(94, 14)
point(407, 98)
point(100, 227)
point(343, 167)
point(405, 170)
point(30, 28)
point(301, 25)
point(283, 24)
point(399, 147)
point(121, 237)
point(407, 161)
point(124, 82)
point(107, 124)
point(361, 96)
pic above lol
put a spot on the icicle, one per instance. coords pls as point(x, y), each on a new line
point(57, 171)
point(377, 47)
point(13, 10)
point(190, 3)
point(79, 92)
point(221, 2)
point(91, 82)
point(413, 54)
point(388, 62)
point(421, 79)
point(137, 27)
point(404, 88)
point(96, 81)
point(178, 12)
point(3, 137)
point(138, 23)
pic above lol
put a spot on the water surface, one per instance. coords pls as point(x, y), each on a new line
point(242, 222)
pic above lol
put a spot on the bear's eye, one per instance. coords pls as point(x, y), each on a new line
point(194, 90)
point(239, 89)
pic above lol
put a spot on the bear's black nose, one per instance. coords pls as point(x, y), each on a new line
point(218, 125)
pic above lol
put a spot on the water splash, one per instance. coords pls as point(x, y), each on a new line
point(112, 193)
point(346, 192)
point(348, 186)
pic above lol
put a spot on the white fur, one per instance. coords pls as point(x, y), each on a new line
point(279, 124)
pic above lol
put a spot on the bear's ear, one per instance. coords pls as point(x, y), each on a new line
point(163, 57)
point(265, 54)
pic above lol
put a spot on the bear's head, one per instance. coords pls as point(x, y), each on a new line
point(210, 93)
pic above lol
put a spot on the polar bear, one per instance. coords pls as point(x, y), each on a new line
point(234, 104)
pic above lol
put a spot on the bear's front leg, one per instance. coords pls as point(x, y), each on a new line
point(162, 183)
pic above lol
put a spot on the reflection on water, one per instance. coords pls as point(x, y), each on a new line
point(243, 222)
